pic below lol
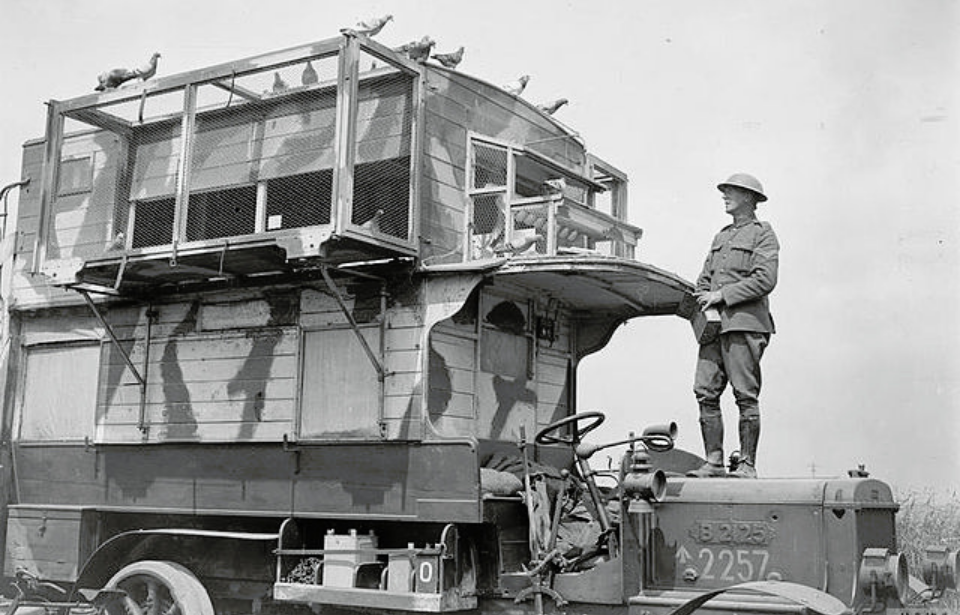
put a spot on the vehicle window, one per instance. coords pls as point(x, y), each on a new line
point(59, 392)
point(340, 393)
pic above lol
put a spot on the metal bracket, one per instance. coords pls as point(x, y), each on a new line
point(289, 447)
point(121, 269)
point(381, 373)
point(141, 423)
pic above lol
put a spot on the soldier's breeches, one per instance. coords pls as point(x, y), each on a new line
point(735, 358)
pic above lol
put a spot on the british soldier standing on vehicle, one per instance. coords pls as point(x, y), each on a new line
point(739, 273)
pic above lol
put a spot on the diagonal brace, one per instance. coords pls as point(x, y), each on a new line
point(141, 382)
point(381, 373)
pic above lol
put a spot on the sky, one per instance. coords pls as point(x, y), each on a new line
point(846, 110)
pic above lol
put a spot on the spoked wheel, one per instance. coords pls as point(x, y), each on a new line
point(159, 588)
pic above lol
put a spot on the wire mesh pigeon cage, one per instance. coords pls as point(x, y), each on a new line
point(384, 142)
point(518, 203)
point(321, 138)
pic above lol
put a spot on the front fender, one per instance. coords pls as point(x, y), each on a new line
point(206, 553)
point(813, 599)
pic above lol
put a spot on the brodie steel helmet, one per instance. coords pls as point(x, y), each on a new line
point(748, 182)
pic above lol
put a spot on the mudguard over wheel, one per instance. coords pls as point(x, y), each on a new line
point(159, 587)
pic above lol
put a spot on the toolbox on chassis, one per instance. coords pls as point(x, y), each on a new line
point(279, 351)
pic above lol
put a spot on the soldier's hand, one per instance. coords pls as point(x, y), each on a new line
point(707, 299)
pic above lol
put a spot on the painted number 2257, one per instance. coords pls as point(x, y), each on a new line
point(733, 564)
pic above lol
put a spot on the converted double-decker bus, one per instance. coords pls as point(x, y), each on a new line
point(300, 333)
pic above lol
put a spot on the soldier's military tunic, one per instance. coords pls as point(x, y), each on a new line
point(742, 265)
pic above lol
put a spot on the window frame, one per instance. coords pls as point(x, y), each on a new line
point(514, 153)
point(367, 435)
point(21, 399)
point(85, 175)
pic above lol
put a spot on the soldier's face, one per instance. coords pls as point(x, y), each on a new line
point(737, 200)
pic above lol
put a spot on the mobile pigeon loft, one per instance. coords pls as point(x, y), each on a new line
point(277, 327)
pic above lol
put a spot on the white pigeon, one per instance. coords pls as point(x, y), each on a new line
point(517, 87)
point(370, 27)
point(119, 242)
point(551, 107)
point(553, 186)
point(373, 224)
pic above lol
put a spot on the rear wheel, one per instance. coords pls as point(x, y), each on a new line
point(159, 588)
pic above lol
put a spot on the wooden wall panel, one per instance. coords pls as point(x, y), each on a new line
point(454, 108)
point(82, 219)
point(401, 361)
point(445, 172)
point(234, 431)
point(403, 429)
point(497, 114)
point(402, 338)
point(429, 482)
point(451, 425)
point(208, 386)
point(28, 290)
point(58, 474)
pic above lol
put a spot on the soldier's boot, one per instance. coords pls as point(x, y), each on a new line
point(711, 427)
point(749, 436)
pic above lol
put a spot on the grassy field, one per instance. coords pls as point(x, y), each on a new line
point(928, 518)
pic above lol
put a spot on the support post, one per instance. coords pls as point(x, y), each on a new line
point(187, 128)
point(48, 183)
point(345, 133)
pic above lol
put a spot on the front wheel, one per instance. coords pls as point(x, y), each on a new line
point(155, 587)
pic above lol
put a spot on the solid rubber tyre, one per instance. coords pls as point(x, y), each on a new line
point(159, 587)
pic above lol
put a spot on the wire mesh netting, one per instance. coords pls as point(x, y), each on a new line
point(523, 204)
point(98, 172)
point(260, 158)
point(489, 198)
point(296, 150)
point(146, 200)
point(384, 141)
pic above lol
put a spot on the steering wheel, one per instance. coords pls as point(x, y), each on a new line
point(547, 436)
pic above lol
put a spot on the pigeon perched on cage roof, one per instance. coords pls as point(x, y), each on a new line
point(149, 69)
point(517, 87)
point(370, 27)
point(450, 60)
point(309, 75)
point(279, 85)
point(551, 107)
point(115, 77)
point(418, 51)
